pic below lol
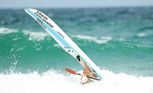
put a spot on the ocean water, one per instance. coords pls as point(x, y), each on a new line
point(118, 40)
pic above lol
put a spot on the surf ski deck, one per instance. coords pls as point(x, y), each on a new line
point(63, 39)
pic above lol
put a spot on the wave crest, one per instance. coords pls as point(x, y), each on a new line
point(94, 39)
point(51, 81)
point(36, 36)
point(6, 30)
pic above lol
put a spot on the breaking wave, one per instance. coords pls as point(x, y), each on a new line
point(6, 30)
point(36, 36)
point(40, 36)
point(94, 39)
point(52, 81)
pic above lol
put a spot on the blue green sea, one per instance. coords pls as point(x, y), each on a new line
point(118, 40)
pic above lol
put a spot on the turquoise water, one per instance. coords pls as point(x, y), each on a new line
point(118, 40)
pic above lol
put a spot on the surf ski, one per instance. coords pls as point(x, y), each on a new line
point(65, 41)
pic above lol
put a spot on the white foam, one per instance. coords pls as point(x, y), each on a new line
point(141, 34)
point(57, 45)
point(36, 36)
point(52, 82)
point(94, 39)
point(6, 30)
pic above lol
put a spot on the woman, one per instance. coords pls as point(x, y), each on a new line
point(87, 72)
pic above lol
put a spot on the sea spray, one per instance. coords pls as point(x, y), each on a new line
point(51, 81)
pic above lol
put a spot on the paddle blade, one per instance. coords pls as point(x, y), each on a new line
point(71, 71)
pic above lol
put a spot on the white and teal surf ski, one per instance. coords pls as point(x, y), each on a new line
point(62, 39)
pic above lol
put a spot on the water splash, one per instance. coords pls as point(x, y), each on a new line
point(52, 81)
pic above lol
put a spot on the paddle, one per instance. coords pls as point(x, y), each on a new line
point(75, 73)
